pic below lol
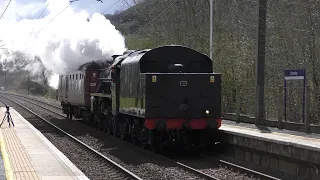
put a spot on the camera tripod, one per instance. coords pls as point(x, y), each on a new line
point(8, 116)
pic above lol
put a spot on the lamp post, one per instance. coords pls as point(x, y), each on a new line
point(260, 60)
point(211, 27)
point(5, 74)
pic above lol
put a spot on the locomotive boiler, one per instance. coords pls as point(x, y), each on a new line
point(163, 96)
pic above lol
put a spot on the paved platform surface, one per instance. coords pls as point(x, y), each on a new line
point(296, 139)
point(27, 154)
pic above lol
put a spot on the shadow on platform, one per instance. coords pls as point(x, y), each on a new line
point(263, 129)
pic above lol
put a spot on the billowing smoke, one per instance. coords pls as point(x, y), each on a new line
point(64, 44)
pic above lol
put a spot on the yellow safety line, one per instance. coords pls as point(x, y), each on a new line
point(7, 165)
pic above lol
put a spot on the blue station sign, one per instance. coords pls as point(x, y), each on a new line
point(295, 74)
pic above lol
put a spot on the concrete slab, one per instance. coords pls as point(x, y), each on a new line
point(298, 145)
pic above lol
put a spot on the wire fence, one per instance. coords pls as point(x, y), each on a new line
point(288, 105)
point(247, 99)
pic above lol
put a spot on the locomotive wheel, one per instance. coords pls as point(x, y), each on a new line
point(156, 143)
point(122, 131)
point(105, 123)
point(109, 122)
point(134, 135)
point(69, 115)
point(91, 120)
point(143, 138)
point(98, 122)
point(124, 128)
point(70, 112)
point(114, 126)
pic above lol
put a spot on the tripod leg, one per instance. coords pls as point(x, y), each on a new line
point(11, 120)
point(8, 119)
point(3, 119)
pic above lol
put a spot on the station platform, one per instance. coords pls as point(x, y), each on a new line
point(285, 149)
point(27, 154)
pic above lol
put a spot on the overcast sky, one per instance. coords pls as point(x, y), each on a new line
point(31, 9)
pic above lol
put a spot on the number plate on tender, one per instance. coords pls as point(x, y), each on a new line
point(183, 83)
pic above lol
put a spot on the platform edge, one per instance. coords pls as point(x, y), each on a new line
point(72, 167)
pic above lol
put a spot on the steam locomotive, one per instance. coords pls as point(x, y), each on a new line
point(168, 95)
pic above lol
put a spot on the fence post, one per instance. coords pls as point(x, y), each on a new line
point(307, 110)
point(222, 104)
point(279, 107)
point(237, 104)
point(257, 117)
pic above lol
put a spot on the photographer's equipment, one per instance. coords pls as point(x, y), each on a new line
point(8, 116)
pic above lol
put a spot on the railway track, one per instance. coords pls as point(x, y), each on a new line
point(57, 107)
point(208, 173)
point(110, 169)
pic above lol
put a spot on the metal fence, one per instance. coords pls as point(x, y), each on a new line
point(298, 110)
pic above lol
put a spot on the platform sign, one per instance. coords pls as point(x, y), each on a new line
point(294, 75)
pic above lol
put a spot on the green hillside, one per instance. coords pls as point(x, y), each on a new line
point(293, 41)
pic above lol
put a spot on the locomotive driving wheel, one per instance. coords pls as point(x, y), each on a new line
point(69, 113)
point(98, 122)
point(143, 138)
point(135, 135)
point(114, 126)
point(156, 142)
point(109, 124)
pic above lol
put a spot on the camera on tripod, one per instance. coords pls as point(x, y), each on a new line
point(8, 115)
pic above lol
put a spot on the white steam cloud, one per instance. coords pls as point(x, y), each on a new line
point(64, 44)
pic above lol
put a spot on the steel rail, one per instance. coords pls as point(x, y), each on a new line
point(25, 96)
point(132, 175)
point(241, 169)
point(186, 167)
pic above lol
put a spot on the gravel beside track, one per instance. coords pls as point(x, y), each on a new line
point(92, 165)
point(143, 165)
point(251, 165)
point(209, 166)
point(212, 168)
